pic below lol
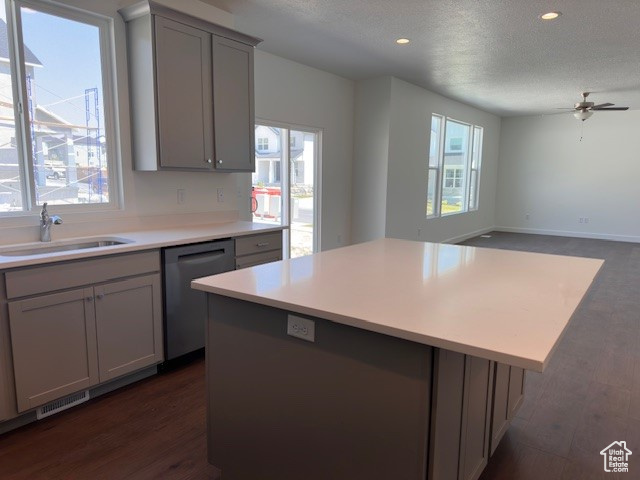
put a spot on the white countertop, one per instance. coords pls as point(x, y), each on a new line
point(139, 240)
point(506, 306)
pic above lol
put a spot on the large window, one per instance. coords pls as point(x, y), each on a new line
point(455, 152)
point(56, 120)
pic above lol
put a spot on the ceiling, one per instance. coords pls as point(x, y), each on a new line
point(496, 55)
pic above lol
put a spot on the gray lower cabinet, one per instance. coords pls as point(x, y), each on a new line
point(76, 324)
point(191, 84)
point(7, 386)
point(508, 395)
point(128, 325)
point(516, 390)
point(54, 345)
point(252, 250)
point(463, 389)
point(500, 410)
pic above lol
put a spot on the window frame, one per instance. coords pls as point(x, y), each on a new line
point(469, 169)
point(106, 35)
point(262, 144)
point(437, 170)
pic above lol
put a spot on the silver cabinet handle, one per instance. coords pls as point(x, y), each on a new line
point(262, 244)
point(100, 296)
point(89, 299)
point(209, 160)
point(219, 162)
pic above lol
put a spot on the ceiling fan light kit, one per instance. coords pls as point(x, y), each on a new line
point(582, 114)
point(584, 109)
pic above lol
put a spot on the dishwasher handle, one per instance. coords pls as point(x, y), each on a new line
point(201, 257)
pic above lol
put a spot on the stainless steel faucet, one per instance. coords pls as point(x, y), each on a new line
point(45, 223)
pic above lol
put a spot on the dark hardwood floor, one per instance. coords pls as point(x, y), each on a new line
point(154, 429)
point(588, 397)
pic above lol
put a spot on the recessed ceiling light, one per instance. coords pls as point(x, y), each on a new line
point(550, 15)
point(402, 41)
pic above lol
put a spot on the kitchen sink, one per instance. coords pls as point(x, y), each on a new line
point(63, 247)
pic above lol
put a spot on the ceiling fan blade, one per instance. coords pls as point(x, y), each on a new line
point(596, 107)
point(611, 109)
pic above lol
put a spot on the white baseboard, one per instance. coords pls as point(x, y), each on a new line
point(466, 236)
point(563, 233)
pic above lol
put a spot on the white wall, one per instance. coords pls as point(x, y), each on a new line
point(410, 110)
point(293, 93)
point(370, 161)
point(547, 172)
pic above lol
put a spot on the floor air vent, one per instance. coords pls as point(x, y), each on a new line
point(62, 404)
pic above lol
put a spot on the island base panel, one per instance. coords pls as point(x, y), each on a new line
point(353, 404)
point(460, 417)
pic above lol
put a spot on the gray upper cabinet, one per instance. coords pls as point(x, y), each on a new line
point(233, 105)
point(198, 115)
point(183, 82)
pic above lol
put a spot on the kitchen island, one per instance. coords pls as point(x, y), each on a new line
point(378, 360)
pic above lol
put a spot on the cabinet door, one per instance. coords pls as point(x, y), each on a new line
point(233, 105)
point(476, 410)
point(516, 390)
point(53, 338)
point(500, 411)
point(183, 78)
point(460, 417)
point(129, 325)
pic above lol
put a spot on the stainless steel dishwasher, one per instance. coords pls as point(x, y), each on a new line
point(185, 312)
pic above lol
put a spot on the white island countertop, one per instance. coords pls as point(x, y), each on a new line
point(511, 307)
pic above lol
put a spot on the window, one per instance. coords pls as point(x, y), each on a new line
point(453, 178)
point(453, 171)
point(263, 144)
point(455, 143)
point(56, 132)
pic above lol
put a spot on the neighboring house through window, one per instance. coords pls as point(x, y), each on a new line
point(263, 144)
point(57, 124)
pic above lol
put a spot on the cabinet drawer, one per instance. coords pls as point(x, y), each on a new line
point(258, 259)
point(59, 276)
point(258, 243)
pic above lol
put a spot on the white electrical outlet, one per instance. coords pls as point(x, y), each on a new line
point(581, 219)
point(181, 196)
point(301, 328)
point(586, 219)
point(220, 195)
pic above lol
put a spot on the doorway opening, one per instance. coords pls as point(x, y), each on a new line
point(285, 185)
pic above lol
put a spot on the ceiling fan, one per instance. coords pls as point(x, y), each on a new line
point(584, 109)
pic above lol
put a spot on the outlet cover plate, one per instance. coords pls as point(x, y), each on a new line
point(301, 328)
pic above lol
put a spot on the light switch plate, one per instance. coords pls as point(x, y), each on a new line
point(301, 328)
